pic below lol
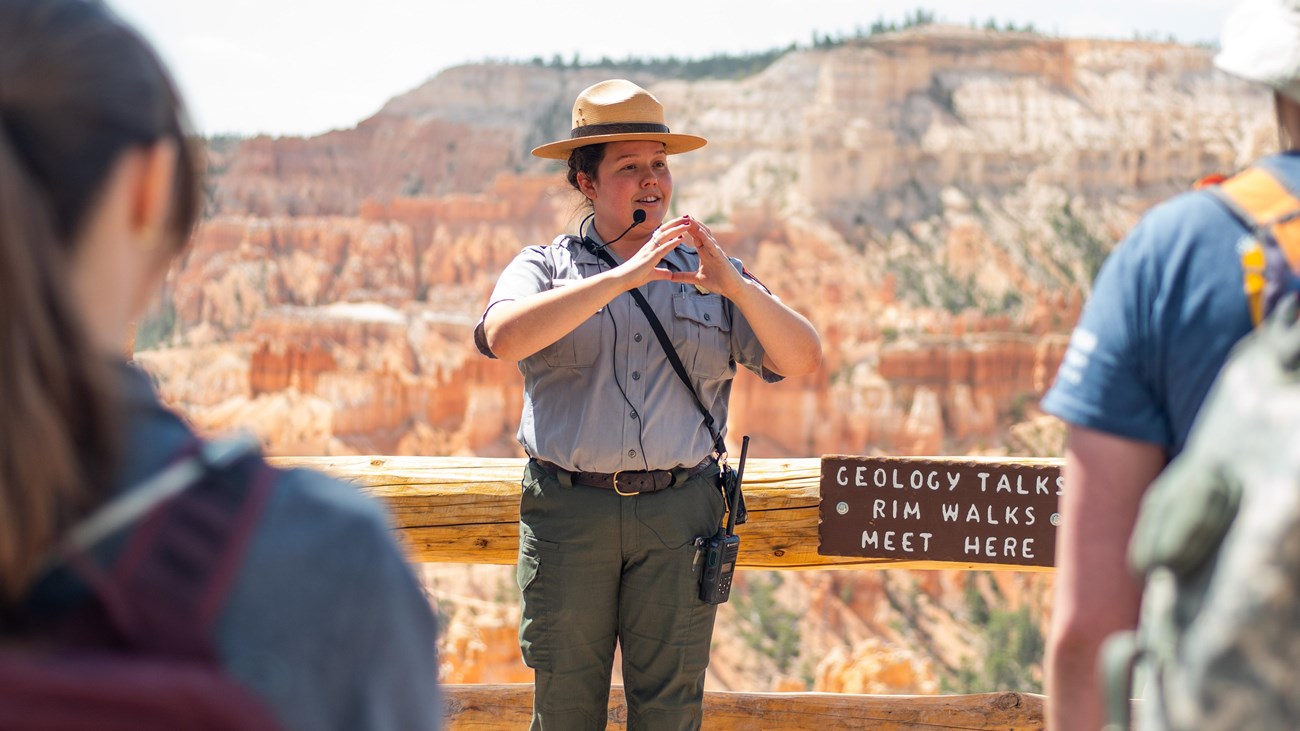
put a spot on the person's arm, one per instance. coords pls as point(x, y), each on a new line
point(1096, 592)
point(327, 622)
point(790, 343)
point(390, 646)
point(516, 329)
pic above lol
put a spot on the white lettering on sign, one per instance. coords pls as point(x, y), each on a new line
point(907, 479)
point(1016, 484)
point(994, 547)
point(988, 520)
point(988, 514)
point(915, 479)
point(882, 508)
point(905, 541)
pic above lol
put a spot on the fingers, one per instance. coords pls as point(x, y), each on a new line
point(716, 272)
point(666, 239)
point(704, 238)
point(677, 228)
point(662, 243)
point(646, 261)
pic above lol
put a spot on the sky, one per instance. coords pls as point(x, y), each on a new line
point(304, 67)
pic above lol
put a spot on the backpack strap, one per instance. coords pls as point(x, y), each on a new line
point(1271, 258)
point(193, 523)
point(1118, 659)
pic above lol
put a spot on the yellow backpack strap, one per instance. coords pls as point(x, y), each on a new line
point(1272, 213)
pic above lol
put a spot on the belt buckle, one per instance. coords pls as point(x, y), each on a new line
point(620, 492)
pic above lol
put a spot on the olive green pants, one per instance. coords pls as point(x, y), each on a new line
point(597, 569)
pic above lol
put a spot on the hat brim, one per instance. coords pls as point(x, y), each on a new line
point(673, 143)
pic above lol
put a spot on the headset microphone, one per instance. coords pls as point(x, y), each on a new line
point(638, 218)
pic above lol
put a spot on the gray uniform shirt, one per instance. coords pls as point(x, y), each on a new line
point(604, 397)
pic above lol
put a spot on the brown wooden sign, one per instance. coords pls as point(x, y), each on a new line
point(956, 510)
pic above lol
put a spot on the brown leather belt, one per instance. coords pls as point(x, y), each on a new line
point(628, 482)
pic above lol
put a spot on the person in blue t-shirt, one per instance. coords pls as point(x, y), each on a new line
point(1166, 308)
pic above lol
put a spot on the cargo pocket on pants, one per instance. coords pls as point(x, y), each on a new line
point(536, 558)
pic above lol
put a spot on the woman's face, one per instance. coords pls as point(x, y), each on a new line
point(632, 175)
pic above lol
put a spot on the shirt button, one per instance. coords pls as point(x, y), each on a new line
point(633, 415)
point(636, 375)
point(706, 317)
point(631, 453)
point(637, 337)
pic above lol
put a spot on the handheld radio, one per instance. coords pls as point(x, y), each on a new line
point(721, 550)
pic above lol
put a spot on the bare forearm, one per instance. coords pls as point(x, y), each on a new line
point(516, 329)
point(790, 342)
point(1096, 595)
point(1076, 699)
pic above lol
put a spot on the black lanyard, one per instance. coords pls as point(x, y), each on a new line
point(718, 445)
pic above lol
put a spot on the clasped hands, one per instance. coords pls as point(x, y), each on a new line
point(715, 273)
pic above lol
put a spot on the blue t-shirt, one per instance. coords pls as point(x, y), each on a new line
point(1165, 310)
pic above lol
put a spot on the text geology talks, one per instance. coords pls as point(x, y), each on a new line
point(939, 509)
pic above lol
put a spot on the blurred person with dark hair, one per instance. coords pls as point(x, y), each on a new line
point(323, 620)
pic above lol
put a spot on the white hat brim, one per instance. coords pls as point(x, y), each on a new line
point(1261, 43)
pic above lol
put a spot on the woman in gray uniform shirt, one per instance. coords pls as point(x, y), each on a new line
point(623, 474)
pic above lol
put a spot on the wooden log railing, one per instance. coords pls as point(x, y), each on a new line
point(466, 510)
point(510, 706)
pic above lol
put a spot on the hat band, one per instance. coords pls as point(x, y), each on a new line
point(618, 129)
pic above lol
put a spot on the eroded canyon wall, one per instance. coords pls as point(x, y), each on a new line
point(936, 201)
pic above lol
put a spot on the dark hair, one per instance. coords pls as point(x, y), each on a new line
point(78, 88)
point(585, 160)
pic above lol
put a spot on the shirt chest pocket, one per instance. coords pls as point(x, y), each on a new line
point(579, 348)
point(702, 334)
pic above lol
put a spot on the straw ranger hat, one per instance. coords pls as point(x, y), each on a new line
point(614, 111)
point(1261, 42)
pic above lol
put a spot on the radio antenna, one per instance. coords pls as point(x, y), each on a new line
point(734, 500)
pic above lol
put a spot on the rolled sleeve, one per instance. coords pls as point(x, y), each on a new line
point(529, 273)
